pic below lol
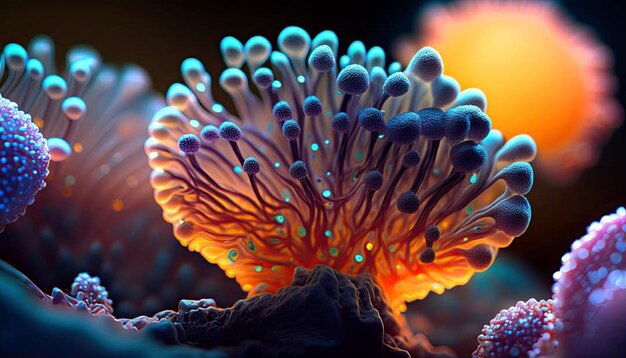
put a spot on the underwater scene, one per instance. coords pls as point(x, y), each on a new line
point(426, 179)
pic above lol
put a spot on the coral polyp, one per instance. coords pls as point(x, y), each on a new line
point(527, 329)
point(97, 210)
point(24, 161)
point(554, 68)
point(336, 161)
point(590, 288)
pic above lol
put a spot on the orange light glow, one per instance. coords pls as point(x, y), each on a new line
point(543, 75)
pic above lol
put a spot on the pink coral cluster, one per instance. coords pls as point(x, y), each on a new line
point(526, 329)
point(590, 282)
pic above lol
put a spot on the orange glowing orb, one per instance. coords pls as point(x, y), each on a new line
point(543, 75)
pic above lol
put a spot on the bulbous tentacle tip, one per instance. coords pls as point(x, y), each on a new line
point(257, 50)
point(210, 133)
point(59, 149)
point(55, 87)
point(322, 59)
point(74, 108)
point(372, 119)
point(512, 215)
point(179, 96)
point(427, 255)
point(353, 79)
point(251, 166)
point(189, 143)
point(411, 159)
point(373, 180)
point(445, 90)
point(403, 128)
point(232, 51)
point(329, 38)
point(426, 64)
point(291, 129)
point(263, 77)
point(192, 68)
point(519, 177)
point(408, 202)
point(312, 106)
point(468, 156)
point(294, 41)
point(396, 85)
point(298, 170)
point(480, 257)
point(519, 148)
point(15, 56)
point(432, 123)
point(233, 80)
point(472, 96)
point(456, 124)
point(282, 111)
point(230, 131)
point(341, 122)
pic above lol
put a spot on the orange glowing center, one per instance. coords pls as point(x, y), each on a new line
point(532, 77)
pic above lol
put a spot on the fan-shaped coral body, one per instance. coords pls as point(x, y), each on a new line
point(336, 162)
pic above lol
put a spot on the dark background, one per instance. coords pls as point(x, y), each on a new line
point(159, 35)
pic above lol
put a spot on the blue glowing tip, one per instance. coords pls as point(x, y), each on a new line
point(403, 128)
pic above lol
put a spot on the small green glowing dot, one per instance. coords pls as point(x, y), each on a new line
point(358, 258)
point(237, 169)
point(436, 171)
point(326, 193)
point(328, 233)
point(473, 179)
point(469, 209)
point(232, 255)
point(301, 231)
point(339, 92)
point(327, 141)
point(381, 136)
point(392, 248)
point(301, 79)
point(333, 251)
point(274, 268)
point(277, 165)
point(280, 219)
point(258, 268)
point(327, 174)
point(358, 155)
point(251, 246)
point(477, 228)
point(315, 147)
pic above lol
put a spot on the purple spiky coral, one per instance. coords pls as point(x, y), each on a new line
point(24, 161)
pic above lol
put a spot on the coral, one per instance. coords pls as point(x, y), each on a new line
point(533, 63)
point(97, 214)
point(357, 168)
point(590, 290)
point(35, 327)
point(321, 313)
point(24, 161)
point(527, 329)
point(453, 319)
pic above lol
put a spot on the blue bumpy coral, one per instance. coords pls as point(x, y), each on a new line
point(24, 161)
